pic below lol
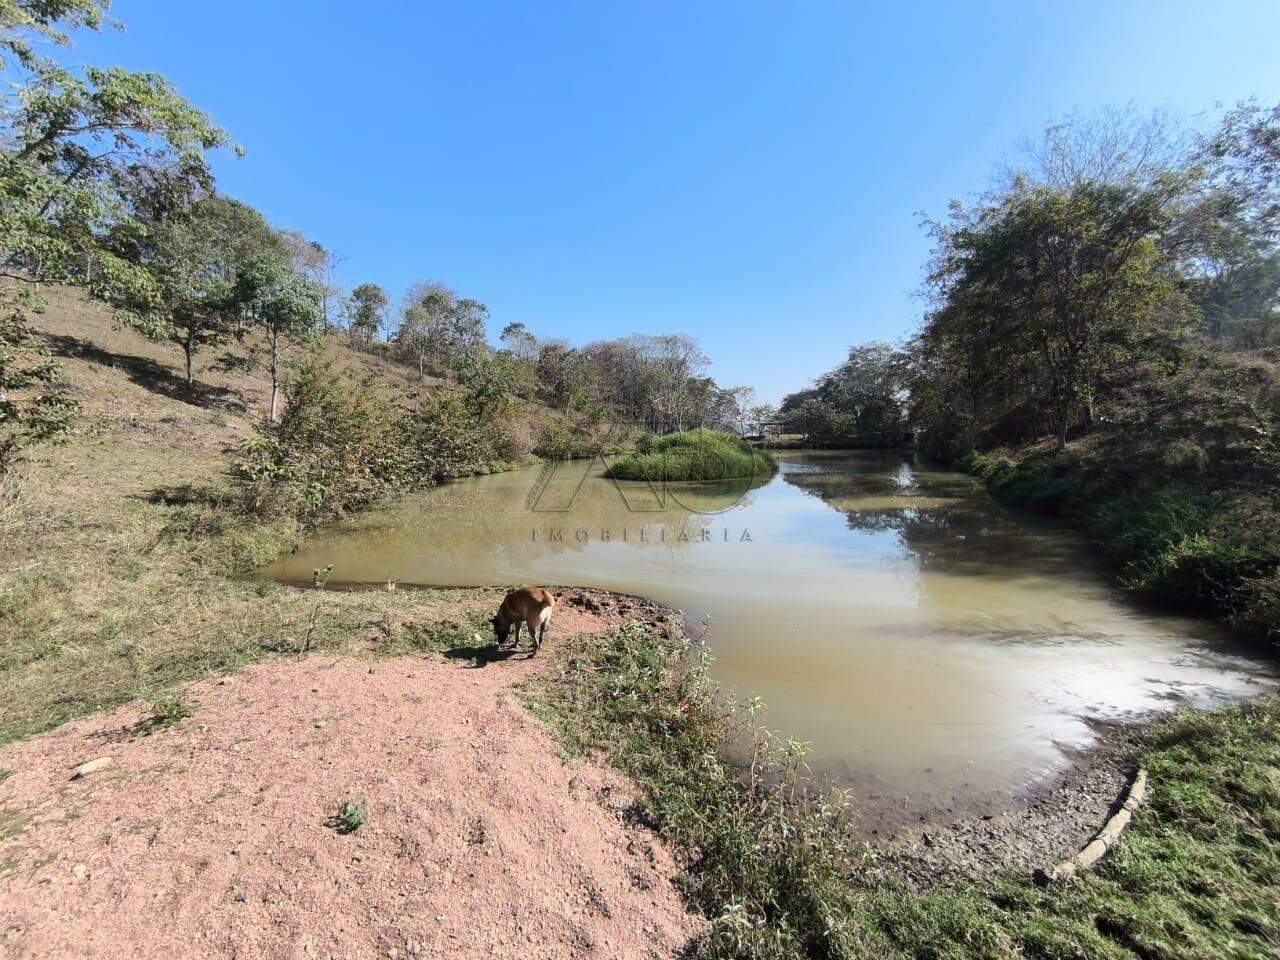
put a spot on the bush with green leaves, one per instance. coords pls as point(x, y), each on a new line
point(445, 437)
point(337, 448)
point(342, 444)
point(350, 817)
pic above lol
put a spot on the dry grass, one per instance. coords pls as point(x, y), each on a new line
point(118, 563)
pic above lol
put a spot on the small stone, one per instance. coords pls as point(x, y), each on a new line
point(80, 871)
point(239, 897)
point(93, 766)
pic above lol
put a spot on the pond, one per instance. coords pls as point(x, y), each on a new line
point(940, 654)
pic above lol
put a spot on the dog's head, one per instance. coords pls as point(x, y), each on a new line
point(500, 629)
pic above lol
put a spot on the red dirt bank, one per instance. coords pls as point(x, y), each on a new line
point(208, 839)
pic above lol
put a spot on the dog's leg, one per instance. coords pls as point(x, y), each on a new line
point(516, 643)
point(533, 635)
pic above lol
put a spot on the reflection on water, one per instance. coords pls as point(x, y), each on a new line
point(936, 650)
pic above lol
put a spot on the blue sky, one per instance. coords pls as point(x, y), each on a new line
point(747, 173)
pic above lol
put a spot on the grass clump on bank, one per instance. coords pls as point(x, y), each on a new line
point(778, 874)
point(765, 863)
point(699, 454)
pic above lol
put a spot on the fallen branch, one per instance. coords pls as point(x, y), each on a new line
point(1107, 837)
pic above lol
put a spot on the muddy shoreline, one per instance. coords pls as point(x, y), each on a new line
point(1048, 823)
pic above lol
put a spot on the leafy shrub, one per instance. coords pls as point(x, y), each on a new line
point(167, 708)
point(337, 448)
point(699, 454)
point(565, 440)
point(342, 444)
point(444, 438)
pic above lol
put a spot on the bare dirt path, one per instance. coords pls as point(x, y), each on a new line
point(208, 837)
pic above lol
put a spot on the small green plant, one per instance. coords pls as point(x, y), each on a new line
point(319, 580)
point(167, 708)
point(351, 816)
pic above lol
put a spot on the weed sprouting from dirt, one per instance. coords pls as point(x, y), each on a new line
point(12, 822)
point(350, 817)
point(167, 708)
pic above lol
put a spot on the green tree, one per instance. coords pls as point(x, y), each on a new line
point(490, 381)
point(760, 417)
point(565, 376)
point(439, 329)
point(1065, 279)
point(284, 304)
point(34, 401)
point(319, 265)
point(517, 339)
point(1244, 156)
point(73, 142)
point(193, 259)
point(366, 307)
point(27, 22)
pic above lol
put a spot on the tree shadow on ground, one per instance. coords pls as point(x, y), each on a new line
point(184, 495)
point(482, 656)
point(150, 374)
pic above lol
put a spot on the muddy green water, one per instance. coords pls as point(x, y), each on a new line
point(939, 653)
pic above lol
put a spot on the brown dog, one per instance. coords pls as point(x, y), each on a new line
point(530, 606)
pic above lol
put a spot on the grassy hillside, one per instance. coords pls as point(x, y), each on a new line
point(117, 546)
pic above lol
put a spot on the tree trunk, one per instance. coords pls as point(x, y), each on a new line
point(188, 348)
point(275, 382)
point(1061, 416)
